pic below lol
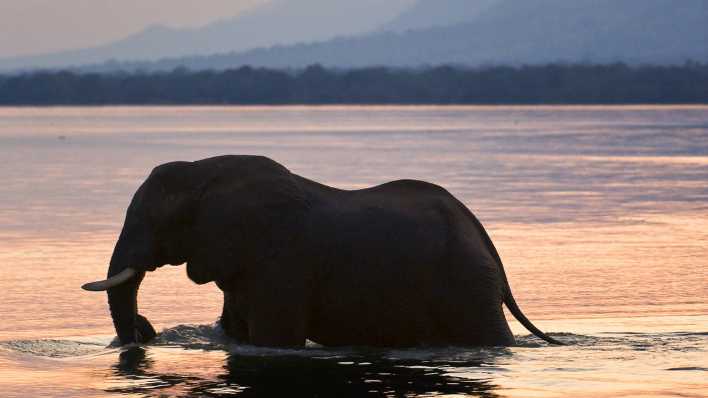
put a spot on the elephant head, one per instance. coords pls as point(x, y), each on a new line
point(213, 214)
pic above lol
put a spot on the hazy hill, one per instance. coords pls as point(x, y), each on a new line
point(422, 32)
point(635, 31)
point(276, 22)
point(509, 32)
point(430, 13)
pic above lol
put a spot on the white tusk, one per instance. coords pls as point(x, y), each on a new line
point(113, 281)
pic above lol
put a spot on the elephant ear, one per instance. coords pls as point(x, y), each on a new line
point(173, 194)
point(251, 210)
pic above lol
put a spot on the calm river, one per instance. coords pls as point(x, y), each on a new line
point(599, 213)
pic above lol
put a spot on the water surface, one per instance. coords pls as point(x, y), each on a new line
point(599, 213)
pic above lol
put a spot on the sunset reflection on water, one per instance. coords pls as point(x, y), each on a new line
point(600, 215)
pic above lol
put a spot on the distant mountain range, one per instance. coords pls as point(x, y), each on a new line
point(275, 22)
point(430, 13)
point(463, 32)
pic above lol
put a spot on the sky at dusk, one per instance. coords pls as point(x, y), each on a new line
point(40, 26)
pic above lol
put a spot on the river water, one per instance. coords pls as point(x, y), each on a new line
point(599, 213)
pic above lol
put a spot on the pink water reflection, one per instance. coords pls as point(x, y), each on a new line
point(600, 215)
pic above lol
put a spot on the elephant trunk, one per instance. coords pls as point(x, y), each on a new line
point(123, 304)
point(130, 326)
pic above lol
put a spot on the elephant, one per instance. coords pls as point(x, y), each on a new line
point(402, 264)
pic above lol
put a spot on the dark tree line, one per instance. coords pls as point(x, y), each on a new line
point(548, 84)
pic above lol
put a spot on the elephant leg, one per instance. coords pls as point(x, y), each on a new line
point(490, 327)
point(277, 320)
point(145, 330)
point(480, 320)
point(266, 332)
point(238, 330)
point(476, 325)
point(232, 322)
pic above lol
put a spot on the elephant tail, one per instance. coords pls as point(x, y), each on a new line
point(508, 297)
point(516, 311)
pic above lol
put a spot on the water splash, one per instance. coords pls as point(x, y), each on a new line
point(212, 338)
point(53, 348)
